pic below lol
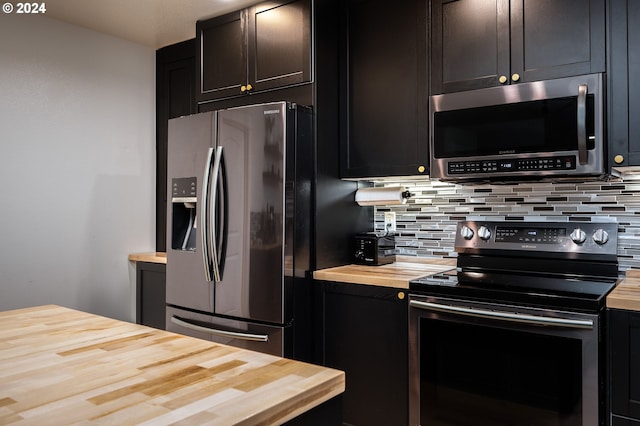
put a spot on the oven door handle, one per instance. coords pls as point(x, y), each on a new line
point(506, 316)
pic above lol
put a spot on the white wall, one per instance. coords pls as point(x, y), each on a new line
point(77, 165)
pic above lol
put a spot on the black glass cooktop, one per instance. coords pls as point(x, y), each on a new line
point(545, 291)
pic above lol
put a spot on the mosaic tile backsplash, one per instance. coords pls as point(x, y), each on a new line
point(426, 224)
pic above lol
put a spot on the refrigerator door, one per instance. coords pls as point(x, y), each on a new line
point(189, 142)
point(253, 146)
point(241, 334)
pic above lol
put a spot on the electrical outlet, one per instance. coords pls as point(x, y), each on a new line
point(390, 221)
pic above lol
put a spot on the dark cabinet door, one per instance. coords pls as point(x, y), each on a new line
point(623, 87)
point(384, 94)
point(221, 68)
point(624, 335)
point(151, 294)
point(470, 44)
point(263, 47)
point(478, 44)
point(279, 44)
point(556, 38)
point(364, 330)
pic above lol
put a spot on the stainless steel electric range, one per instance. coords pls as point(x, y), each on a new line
point(515, 335)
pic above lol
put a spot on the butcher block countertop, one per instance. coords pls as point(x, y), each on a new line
point(61, 366)
point(627, 294)
point(153, 257)
point(397, 274)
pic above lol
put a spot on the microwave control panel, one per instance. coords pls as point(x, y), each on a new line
point(512, 165)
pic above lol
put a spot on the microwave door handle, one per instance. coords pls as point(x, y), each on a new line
point(204, 213)
point(211, 220)
point(582, 124)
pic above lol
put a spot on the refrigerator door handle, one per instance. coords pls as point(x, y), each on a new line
point(218, 166)
point(204, 213)
point(218, 332)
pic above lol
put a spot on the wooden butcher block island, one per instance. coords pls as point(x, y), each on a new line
point(61, 366)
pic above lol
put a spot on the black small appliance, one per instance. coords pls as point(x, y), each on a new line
point(374, 248)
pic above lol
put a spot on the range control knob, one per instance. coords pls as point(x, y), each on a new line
point(600, 237)
point(484, 233)
point(466, 232)
point(578, 236)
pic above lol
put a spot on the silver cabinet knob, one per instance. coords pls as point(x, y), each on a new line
point(466, 232)
point(484, 233)
point(578, 236)
point(600, 237)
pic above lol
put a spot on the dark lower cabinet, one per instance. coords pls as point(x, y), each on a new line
point(151, 294)
point(624, 366)
point(364, 332)
point(622, 85)
point(384, 103)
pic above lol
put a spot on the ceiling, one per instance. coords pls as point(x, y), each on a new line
point(153, 23)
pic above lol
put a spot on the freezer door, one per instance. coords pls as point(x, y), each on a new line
point(253, 145)
point(189, 141)
point(241, 334)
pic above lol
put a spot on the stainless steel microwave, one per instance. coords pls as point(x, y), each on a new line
point(542, 129)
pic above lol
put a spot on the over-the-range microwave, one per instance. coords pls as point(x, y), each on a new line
point(542, 129)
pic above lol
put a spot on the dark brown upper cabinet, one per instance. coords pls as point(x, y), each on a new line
point(384, 99)
point(622, 83)
point(478, 44)
point(263, 47)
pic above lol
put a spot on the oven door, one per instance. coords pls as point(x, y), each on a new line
point(479, 364)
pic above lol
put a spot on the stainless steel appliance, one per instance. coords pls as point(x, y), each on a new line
point(239, 223)
point(541, 129)
point(515, 334)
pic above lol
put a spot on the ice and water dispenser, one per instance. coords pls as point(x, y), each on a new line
point(183, 220)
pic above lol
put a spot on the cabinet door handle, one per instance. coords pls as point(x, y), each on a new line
point(249, 87)
point(243, 89)
point(515, 77)
point(502, 79)
point(582, 124)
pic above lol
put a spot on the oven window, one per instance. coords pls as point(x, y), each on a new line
point(548, 125)
point(479, 375)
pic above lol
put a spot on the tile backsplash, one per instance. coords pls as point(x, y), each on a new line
point(426, 224)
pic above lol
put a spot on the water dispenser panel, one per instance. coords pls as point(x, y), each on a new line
point(183, 190)
point(183, 221)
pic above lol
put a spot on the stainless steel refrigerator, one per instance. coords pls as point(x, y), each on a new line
point(239, 226)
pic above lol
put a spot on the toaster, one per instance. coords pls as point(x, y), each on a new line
point(373, 248)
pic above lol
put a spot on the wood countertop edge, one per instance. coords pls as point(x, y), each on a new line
point(291, 408)
point(394, 275)
point(626, 295)
point(350, 278)
point(315, 386)
point(151, 257)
